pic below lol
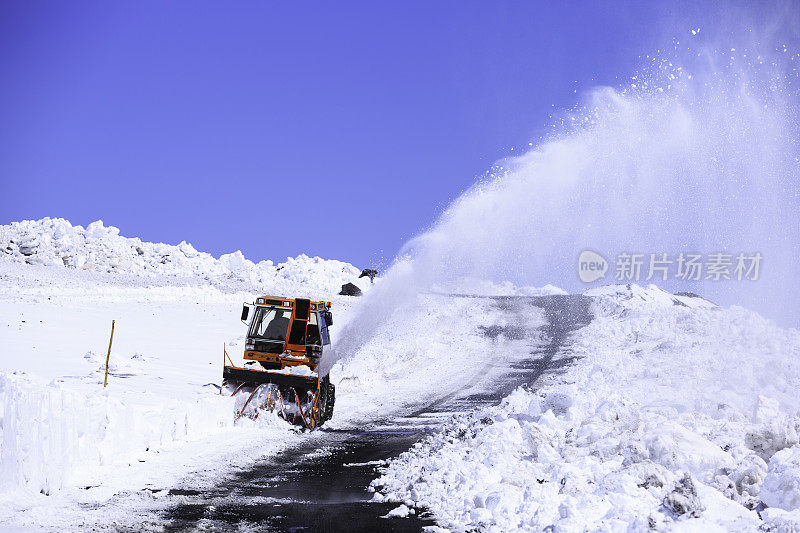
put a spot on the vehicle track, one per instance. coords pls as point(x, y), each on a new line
point(324, 488)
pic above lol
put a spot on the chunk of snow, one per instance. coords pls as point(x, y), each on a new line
point(235, 261)
point(781, 487)
point(780, 521)
point(398, 512)
point(299, 370)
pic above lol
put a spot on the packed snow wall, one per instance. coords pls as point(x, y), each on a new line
point(51, 433)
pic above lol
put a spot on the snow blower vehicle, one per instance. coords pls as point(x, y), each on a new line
point(287, 343)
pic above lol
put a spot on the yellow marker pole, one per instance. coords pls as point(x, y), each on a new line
point(108, 355)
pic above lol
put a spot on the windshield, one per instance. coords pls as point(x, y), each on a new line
point(271, 323)
point(312, 330)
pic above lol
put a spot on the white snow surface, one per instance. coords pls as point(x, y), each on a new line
point(76, 455)
point(67, 442)
point(679, 415)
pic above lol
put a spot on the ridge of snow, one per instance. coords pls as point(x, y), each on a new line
point(482, 287)
point(56, 242)
point(632, 296)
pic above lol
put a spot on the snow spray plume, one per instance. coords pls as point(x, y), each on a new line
point(697, 154)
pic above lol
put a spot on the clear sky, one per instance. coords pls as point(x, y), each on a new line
point(334, 129)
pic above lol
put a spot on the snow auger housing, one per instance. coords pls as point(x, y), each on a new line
point(287, 338)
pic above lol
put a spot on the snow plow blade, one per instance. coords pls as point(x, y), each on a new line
point(234, 374)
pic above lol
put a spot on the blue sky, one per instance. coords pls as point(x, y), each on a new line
point(333, 129)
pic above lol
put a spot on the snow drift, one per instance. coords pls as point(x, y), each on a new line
point(677, 412)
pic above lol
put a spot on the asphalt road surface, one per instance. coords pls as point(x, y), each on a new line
point(322, 485)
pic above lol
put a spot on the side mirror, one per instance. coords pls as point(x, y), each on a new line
point(245, 312)
point(328, 318)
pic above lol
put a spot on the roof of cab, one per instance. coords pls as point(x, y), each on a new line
point(283, 301)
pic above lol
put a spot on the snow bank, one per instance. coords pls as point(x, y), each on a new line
point(675, 414)
point(56, 242)
point(52, 436)
point(513, 467)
